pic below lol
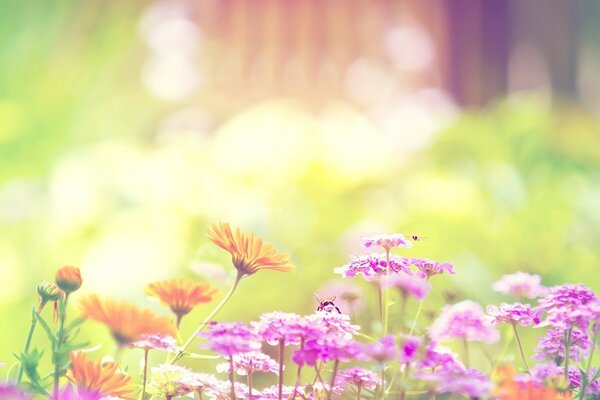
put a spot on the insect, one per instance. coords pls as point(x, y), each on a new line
point(416, 238)
point(327, 304)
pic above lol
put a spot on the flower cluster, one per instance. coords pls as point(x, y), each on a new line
point(464, 320)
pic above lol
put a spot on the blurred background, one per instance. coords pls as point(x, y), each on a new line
point(127, 127)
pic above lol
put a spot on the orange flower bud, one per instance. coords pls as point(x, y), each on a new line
point(47, 291)
point(68, 279)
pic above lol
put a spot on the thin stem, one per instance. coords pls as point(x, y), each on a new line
point(466, 352)
point(318, 376)
point(383, 381)
point(514, 325)
point(358, 390)
point(28, 342)
point(59, 340)
point(208, 318)
point(431, 395)
point(414, 323)
point(589, 362)
point(249, 382)
point(336, 364)
point(178, 322)
point(281, 361)
point(567, 352)
point(145, 373)
point(299, 373)
point(386, 294)
point(404, 384)
point(231, 378)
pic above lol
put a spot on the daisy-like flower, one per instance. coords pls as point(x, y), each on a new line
point(520, 284)
point(229, 338)
point(373, 265)
point(248, 363)
point(387, 242)
point(168, 381)
point(68, 279)
point(126, 322)
point(551, 346)
point(407, 285)
point(427, 268)
point(361, 378)
point(156, 341)
point(181, 295)
point(464, 320)
point(104, 379)
point(249, 254)
point(516, 313)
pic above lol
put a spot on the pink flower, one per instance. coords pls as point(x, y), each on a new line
point(569, 305)
point(407, 285)
point(222, 391)
point(382, 351)
point(333, 324)
point(156, 341)
point(272, 392)
point(199, 382)
point(439, 357)
point(327, 348)
point(228, 338)
point(409, 348)
point(543, 372)
point(69, 393)
point(359, 377)
point(465, 382)
point(373, 265)
point(520, 284)
point(12, 393)
point(387, 242)
point(552, 345)
point(463, 320)
point(248, 363)
point(515, 313)
point(427, 268)
point(276, 326)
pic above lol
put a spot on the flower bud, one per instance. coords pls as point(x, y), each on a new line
point(68, 279)
point(47, 291)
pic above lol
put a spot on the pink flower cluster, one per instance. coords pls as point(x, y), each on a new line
point(466, 321)
point(387, 242)
point(520, 284)
point(516, 314)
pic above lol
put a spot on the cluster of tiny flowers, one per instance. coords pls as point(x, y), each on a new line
point(520, 284)
point(549, 372)
point(515, 313)
point(459, 381)
point(229, 338)
point(464, 320)
point(427, 268)
point(248, 363)
point(373, 265)
point(569, 305)
point(157, 342)
point(387, 242)
point(551, 346)
point(359, 377)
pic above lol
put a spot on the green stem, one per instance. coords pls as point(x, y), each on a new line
point(249, 382)
point(383, 381)
point(406, 372)
point(567, 353)
point(231, 378)
point(386, 298)
point(414, 323)
point(520, 346)
point(358, 390)
point(145, 373)
point(59, 340)
point(466, 352)
point(336, 364)
point(299, 373)
point(281, 361)
point(208, 318)
point(28, 342)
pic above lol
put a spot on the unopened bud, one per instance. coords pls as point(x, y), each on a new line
point(68, 279)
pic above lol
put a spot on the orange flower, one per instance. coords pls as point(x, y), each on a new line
point(181, 295)
point(126, 322)
point(68, 279)
point(248, 253)
point(105, 380)
point(508, 389)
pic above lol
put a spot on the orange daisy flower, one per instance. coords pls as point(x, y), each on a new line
point(181, 295)
point(126, 322)
point(105, 380)
point(249, 254)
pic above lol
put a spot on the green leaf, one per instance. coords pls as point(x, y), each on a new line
point(46, 328)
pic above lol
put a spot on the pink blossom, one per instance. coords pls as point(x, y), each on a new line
point(569, 305)
point(516, 313)
point(228, 338)
point(333, 324)
point(407, 285)
point(427, 268)
point(279, 326)
point(272, 392)
point(551, 346)
point(387, 242)
point(466, 382)
point(520, 284)
point(383, 350)
point(222, 391)
point(409, 348)
point(439, 357)
point(541, 373)
point(248, 363)
point(327, 348)
point(373, 265)
point(463, 320)
point(156, 341)
point(359, 377)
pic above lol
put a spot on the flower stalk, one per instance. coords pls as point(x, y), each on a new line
point(520, 345)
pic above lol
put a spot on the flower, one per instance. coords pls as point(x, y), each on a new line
point(383, 350)
point(520, 284)
point(126, 322)
point(327, 348)
point(427, 268)
point(105, 379)
point(181, 295)
point(47, 291)
point(334, 324)
point(360, 377)
point(229, 338)
point(549, 372)
point(387, 242)
point(552, 345)
point(569, 305)
point(200, 382)
point(168, 380)
point(463, 320)
point(222, 391)
point(438, 356)
point(407, 285)
point(516, 313)
point(69, 393)
point(279, 326)
point(466, 382)
point(372, 265)
point(248, 363)
point(156, 341)
point(68, 279)
point(9, 392)
point(272, 392)
point(409, 348)
point(248, 253)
